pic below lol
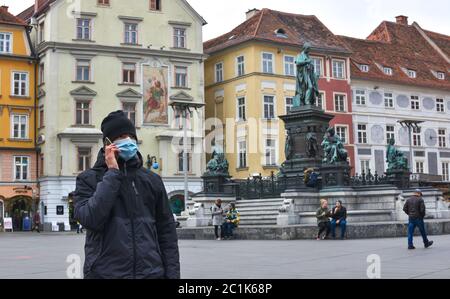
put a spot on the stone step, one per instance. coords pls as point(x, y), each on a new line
point(265, 208)
point(255, 201)
point(258, 213)
point(258, 222)
point(265, 204)
point(258, 217)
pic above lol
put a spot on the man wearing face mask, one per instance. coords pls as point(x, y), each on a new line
point(131, 231)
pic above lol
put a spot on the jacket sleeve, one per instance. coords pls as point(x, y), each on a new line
point(406, 208)
point(167, 234)
point(422, 208)
point(93, 205)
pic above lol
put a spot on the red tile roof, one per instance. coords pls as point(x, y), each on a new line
point(441, 40)
point(43, 6)
point(263, 25)
point(7, 18)
point(399, 47)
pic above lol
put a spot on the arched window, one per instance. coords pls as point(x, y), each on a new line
point(280, 32)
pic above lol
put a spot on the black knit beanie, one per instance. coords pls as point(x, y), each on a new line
point(117, 124)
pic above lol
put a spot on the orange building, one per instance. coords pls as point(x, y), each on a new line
point(18, 156)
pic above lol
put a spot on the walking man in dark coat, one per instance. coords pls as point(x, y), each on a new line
point(415, 209)
point(130, 229)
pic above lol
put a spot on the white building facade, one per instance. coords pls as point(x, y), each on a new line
point(101, 56)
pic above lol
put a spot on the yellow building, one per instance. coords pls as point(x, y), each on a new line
point(250, 82)
point(18, 157)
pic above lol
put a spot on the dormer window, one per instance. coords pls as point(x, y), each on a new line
point(387, 71)
point(412, 74)
point(364, 68)
point(281, 33)
point(440, 75)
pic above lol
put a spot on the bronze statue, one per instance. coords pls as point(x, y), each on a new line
point(334, 150)
point(289, 147)
point(312, 147)
point(307, 88)
point(395, 159)
point(218, 165)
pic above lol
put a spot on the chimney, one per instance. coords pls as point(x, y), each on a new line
point(5, 7)
point(402, 20)
point(36, 6)
point(249, 14)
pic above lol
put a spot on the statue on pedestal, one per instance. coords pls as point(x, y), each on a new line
point(307, 87)
point(288, 147)
point(218, 165)
point(395, 159)
point(334, 150)
point(312, 146)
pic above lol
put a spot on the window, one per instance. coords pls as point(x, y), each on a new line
point(240, 61)
point(360, 97)
point(41, 32)
point(321, 100)
point(21, 166)
point(84, 29)
point(241, 109)
point(83, 70)
point(445, 171)
point(339, 102)
point(131, 33)
point(20, 84)
point(440, 105)
point(317, 62)
point(271, 152)
point(84, 158)
point(365, 166)
point(103, 2)
point(419, 167)
point(130, 111)
point(19, 126)
point(179, 37)
point(342, 133)
point(415, 103)
point(338, 69)
point(267, 63)
point(155, 5)
point(289, 65)
point(289, 104)
point(5, 42)
point(416, 137)
point(387, 71)
point(269, 107)
point(41, 168)
point(219, 72)
point(180, 162)
point(281, 33)
point(390, 133)
point(82, 113)
point(364, 68)
point(180, 76)
point(441, 75)
point(41, 73)
point(388, 100)
point(441, 137)
point(242, 150)
point(362, 134)
point(411, 73)
point(129, 73)
point(41, 117)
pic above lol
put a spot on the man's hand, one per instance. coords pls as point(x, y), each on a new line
point(110, 156)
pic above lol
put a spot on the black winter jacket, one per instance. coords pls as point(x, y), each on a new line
point(131, 231)
point(415, 207)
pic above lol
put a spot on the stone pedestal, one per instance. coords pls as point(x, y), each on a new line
point(399, 178)
point(300, 123)
point(335, 176)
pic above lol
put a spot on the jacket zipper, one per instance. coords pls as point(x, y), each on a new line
point(132, 226)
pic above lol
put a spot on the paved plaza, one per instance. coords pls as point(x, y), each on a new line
point(26, 255)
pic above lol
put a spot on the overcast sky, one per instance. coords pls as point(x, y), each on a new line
point(355, 18)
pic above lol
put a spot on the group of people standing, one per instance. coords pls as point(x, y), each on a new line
point(338, 216)
point(226, 218)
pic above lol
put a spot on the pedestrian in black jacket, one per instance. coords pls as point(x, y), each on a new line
point(338, 218)
point(124, 207)
point(415, 209)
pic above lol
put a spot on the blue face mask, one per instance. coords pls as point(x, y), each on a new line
point(128, 148)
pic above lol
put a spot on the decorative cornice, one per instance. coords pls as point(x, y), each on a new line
point(132, 19)
point(129, 93)
point(83, 91)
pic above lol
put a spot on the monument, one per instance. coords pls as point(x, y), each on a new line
point(306, 124)
point(398, 171)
